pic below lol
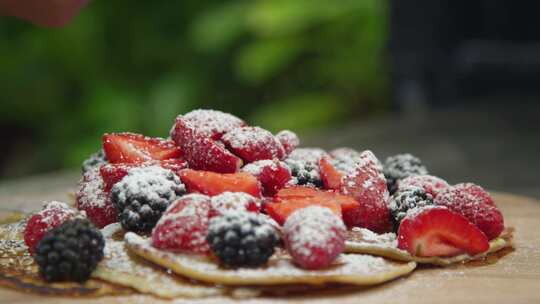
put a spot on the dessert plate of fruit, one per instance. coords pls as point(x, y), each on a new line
point(220, 208)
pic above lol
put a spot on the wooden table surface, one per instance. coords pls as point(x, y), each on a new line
point(514, 278)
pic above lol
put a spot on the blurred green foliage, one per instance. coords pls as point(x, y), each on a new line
point(134, 65)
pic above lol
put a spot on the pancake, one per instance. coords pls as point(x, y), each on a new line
point(355, 269)
point(126, 269)
point(364, 241)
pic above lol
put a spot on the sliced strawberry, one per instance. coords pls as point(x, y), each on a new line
point(281, 210)
point(273, 174)
point(348, 204)
point(296, 192)
point(366, 184)
point(135, 148)
point(253, 144)
point(113, 173)
point(202, 152)
point(289, 140)
point(212, 123)
point(211, 183)
point(438, 231)
point(330, 176)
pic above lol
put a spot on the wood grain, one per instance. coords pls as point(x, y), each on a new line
point(512, 278)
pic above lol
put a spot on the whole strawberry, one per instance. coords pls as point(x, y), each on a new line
point(51, 216)
point(366, 184)
point(184, 225)
point(314, 237)
point(474, 203)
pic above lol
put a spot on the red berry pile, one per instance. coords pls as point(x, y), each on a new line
point(234, 172)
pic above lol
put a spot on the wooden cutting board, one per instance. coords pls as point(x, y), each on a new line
point(513, 278)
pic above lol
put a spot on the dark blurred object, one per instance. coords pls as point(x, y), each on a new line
point(444, 51)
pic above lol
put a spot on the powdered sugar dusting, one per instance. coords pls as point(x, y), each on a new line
point(53, 211)
point(348, 268)
point(234, 201)
point(212, 123)
point(359, 235)
point(304, 164)
point(121, 268)
point(313, 227)
point(255, 168)
point(431, 184)
point(253, 143)
point(91, 190)
point(152, 181)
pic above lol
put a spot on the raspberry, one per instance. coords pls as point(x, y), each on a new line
point(94, 199)
point(184, 226)
point(253, 144)
point(476, 205)
point(431, 184)
point(70, 252)
point(289, 140)
point(304, 164)
point(400, 166)
point(51, 216)
point(234, 201)
point(405, 199)
point(143, 195)
point(272, 174)
point(314, 237)
point(242, 239)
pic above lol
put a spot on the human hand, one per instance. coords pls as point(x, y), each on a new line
point(51, 13)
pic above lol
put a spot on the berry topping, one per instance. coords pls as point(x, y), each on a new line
point(93, 198)
point(366, 184)
point(314, 237)
point(242, 239)
point(304, 164)
point(253, 144)
point(113, 173)
point(272, 174)
point(476, 205)
point(211, 183)
point(135, 148)
point(202, 152)
point(406, 199)
point(94, 161)
point(212, 123)
point(51, 216)
point(70, 252)
point(400, 166)
point(431, 184)
point(234, 201)
point(289, 140)
point(143, 195)
point(331, 177)
point(438, 231)
point(312, 196)
point(281, 211)
point(184, 225)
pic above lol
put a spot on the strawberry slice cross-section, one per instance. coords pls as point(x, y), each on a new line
point(438, 231)
point(212, 183)
point(136, 148)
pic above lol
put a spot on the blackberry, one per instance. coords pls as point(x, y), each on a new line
point(70, 252)
point(405, 199)
point(304, 164)
point(142, 196)
point(242, 239)
point(95, 160)
point(400, 166)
